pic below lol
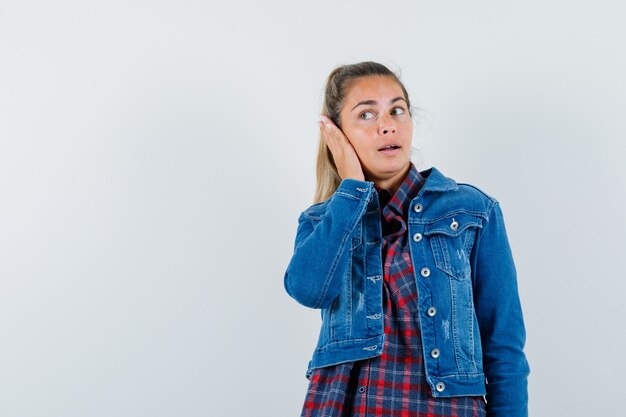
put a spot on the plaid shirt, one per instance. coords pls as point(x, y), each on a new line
point(392, 384)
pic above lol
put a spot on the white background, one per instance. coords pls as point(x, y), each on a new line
point(155, 156)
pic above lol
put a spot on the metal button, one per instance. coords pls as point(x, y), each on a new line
point(425, 272)
point(440, 386)
point(434, 353)
point(417, 237)
point(361, 389)
point(432, 311)
point(418, 207)
point(454, 225)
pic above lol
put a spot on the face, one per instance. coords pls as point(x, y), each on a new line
point(375, 116)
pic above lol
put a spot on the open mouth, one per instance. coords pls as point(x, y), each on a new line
point(390, 147)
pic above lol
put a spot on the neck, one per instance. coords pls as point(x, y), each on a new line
point(392, 183)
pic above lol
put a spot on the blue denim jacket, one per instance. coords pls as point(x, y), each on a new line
point(469, 309)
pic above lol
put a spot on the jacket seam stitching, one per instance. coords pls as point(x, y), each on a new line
point(335, 262)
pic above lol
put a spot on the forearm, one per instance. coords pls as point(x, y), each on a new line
point(320, 259)
point(499, 313)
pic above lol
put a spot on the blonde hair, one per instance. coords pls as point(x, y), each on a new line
point(337, 85)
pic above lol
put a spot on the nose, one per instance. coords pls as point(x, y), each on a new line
point(387, 125)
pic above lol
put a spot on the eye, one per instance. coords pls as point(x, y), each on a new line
point(366, 115)
point(397, 111)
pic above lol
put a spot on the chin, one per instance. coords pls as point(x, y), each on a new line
point(388, 169)
point(393, 165)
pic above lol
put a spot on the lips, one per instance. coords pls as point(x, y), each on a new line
point(390, 151)
point(390, 146)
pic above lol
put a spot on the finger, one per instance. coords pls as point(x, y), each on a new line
point(328, 138)
point(333, 131)
point(329, 131)
point(333, 141)
point(327, 122)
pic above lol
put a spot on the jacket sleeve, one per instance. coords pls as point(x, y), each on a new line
point(499, 314)
point(320, 259)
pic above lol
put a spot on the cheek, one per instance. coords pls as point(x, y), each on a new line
point(408, 132)
point(355, 135)
point(360, 140)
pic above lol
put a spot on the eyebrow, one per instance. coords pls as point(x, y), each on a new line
point(371, 102)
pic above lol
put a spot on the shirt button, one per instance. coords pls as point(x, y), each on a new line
point(425, 272)
point(418, 207)
point(432, 311)
point(417, 237)
point(454, 225)
point(434, 353)
point(361, 389)
point(440, 386)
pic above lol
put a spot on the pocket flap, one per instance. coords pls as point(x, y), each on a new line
point(452, 225)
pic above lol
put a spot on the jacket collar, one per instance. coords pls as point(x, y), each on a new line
point(436, 181)
point(408, 189)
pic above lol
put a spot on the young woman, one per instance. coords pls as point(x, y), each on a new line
point(412, 271)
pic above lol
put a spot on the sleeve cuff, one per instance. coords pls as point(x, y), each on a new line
point(355, 188)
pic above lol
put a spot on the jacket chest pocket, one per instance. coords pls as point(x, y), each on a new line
point(451, 240)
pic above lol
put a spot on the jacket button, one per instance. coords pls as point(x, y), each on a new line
point(440, 386)
point(417, 237)
point(432, 311)
point(425, 272)
point(434, 353)
point(454, 225)
point(418, 207)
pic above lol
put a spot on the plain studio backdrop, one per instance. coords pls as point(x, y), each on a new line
point(155, 156)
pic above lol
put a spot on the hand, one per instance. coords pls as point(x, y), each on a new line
point(346, 159)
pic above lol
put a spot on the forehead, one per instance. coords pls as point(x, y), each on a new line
point(379, 88)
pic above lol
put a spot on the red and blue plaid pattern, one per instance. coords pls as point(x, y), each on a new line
point(392, 384)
